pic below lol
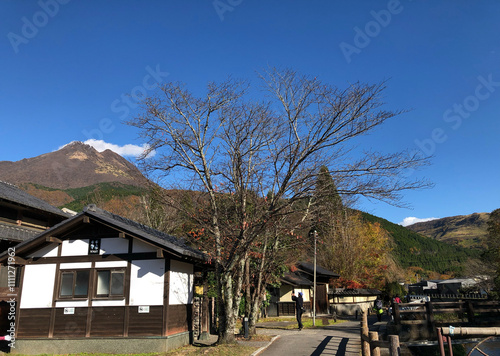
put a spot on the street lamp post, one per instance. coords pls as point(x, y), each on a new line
point(314, 287)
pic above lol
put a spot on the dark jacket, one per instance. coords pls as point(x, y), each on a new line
point(299, 302)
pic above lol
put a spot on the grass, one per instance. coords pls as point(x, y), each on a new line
point(306, 322)
point(190, 350)
point(220, 350)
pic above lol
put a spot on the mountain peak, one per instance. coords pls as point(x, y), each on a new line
point(74, 165)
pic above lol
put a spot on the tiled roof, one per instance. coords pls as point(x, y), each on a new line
point(170, 243)
point(353, 292)
point(10, 192)
point(16, 233)
point(296, 280)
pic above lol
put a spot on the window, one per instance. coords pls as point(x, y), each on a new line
point(74, 284)
point(107, 284)
point(110, 283)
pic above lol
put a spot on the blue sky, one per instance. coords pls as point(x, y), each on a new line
point(70, 69)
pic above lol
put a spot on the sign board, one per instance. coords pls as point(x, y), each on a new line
point(69, 310)
point(94, 246)
point(143, 309)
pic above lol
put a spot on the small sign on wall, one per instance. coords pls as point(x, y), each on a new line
point(144, 309)
point(94, 246)
point(69, 310)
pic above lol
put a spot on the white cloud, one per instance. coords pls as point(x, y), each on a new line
point(128, 150)
point(413, 220)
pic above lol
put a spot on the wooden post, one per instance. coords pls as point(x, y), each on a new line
point(460, 313)
point(440, 341)
point(470, 312)
point(430, 315)
point(374, 350)
point(397, 316)
point(365, 344)
point(394, 349)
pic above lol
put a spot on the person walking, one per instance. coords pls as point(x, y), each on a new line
point(299, 307)
point(378, 308)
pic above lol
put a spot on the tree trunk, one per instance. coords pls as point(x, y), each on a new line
point(248, 290)
point(226, 314)
point(259, 290)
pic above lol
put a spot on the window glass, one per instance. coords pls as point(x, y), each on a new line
point(103, 282)
point(67, 284)
point(117, 279)
point(82, 283)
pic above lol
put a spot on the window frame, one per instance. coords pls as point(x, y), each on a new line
point(72, 296)
point(110, 296)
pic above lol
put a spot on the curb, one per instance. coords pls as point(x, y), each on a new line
point(265, 347)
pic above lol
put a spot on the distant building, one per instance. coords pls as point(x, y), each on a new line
point(302, 280)
point(423, 287)
point(346, 301)
point(23, 216)
point(453, 286)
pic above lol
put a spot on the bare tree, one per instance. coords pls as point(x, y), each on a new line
point(256, 161)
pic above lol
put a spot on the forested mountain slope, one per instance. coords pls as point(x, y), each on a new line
point(411, 249)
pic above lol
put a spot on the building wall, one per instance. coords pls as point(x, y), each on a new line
point(146, 282)
point(286, 293)
point(181, 283)
point(143, 311)
point(38, 286)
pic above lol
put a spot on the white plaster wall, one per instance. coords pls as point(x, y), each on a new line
point(139, 246)
point(47, 251)
point(38, 286)
point(146, 282)
point(181, 283)
point(75, 265)
point(72, 303)
point(114, 245)
point(286, 293)
point(111, 264)
point(108, 303)
point(75, 247)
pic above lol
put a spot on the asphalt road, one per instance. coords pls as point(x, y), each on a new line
point(342, 340)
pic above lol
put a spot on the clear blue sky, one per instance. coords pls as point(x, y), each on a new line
point(66, 67)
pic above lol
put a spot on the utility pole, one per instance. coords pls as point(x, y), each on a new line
point(314, 287)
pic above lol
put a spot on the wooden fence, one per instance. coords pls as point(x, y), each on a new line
point(433, 314)
point(370, 343)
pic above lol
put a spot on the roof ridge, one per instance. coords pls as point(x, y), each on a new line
point(8, 183)
point(179, 241)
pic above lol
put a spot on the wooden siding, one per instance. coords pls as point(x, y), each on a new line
point(179, 318)
point(34, 323)
point(70, 325)
point(145, 324)
point(107, 321)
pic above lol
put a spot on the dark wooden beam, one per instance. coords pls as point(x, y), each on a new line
point(53, 239)
point(20, 261)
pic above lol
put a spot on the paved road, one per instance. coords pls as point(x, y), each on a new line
point(342, 340)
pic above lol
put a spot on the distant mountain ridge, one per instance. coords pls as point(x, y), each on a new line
point(414, 249)
point(75, 165)
point(468, 231)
